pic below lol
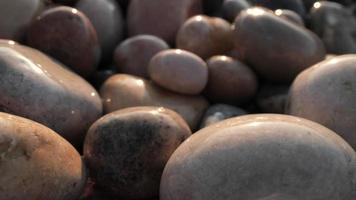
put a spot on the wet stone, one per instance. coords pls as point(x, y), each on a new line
point(277, 49)
point(123, 91)
point(67, 35)
point(34, 86)
point(205, 36)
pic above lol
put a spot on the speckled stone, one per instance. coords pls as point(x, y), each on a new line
point(126, 150)
point(274, 157)
point(179, 71)
point(123, 91)
point(161, 18)
point(106, 17)
point(218, 112)
point(277, 49)
point(16, 16)
point(67, 35)
point(326, 93)
point(36, 87)
point(205, 36)
point(133, 55)
point(36, 163)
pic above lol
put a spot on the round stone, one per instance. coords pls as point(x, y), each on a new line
point(123, 91)
point(232, 8)
point(289, 15)
point(133, 55)
point(267, 156)
point(161, 18)
point(34, 86)
point(179, 71)
point(326, 93)
point(205, 36)
point(106, 17)
point(36, 163)
point(294, 5)
point(67, 35)
point(16, 16)
point(277, 49)
point(230, 81)
point(218, 112)
point(126, 150)
point(335, 25)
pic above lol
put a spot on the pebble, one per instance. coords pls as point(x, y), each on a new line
point(67, 35)
point(133, 55)
point(34, 86)
point(179, 71)
point(123, 91)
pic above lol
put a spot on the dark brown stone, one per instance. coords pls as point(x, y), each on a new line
point(289, 15)
point(205, 36)
point(335, 26)
point(66, 34)
point(232, 8)
point(230, 81)
point(277, 49)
